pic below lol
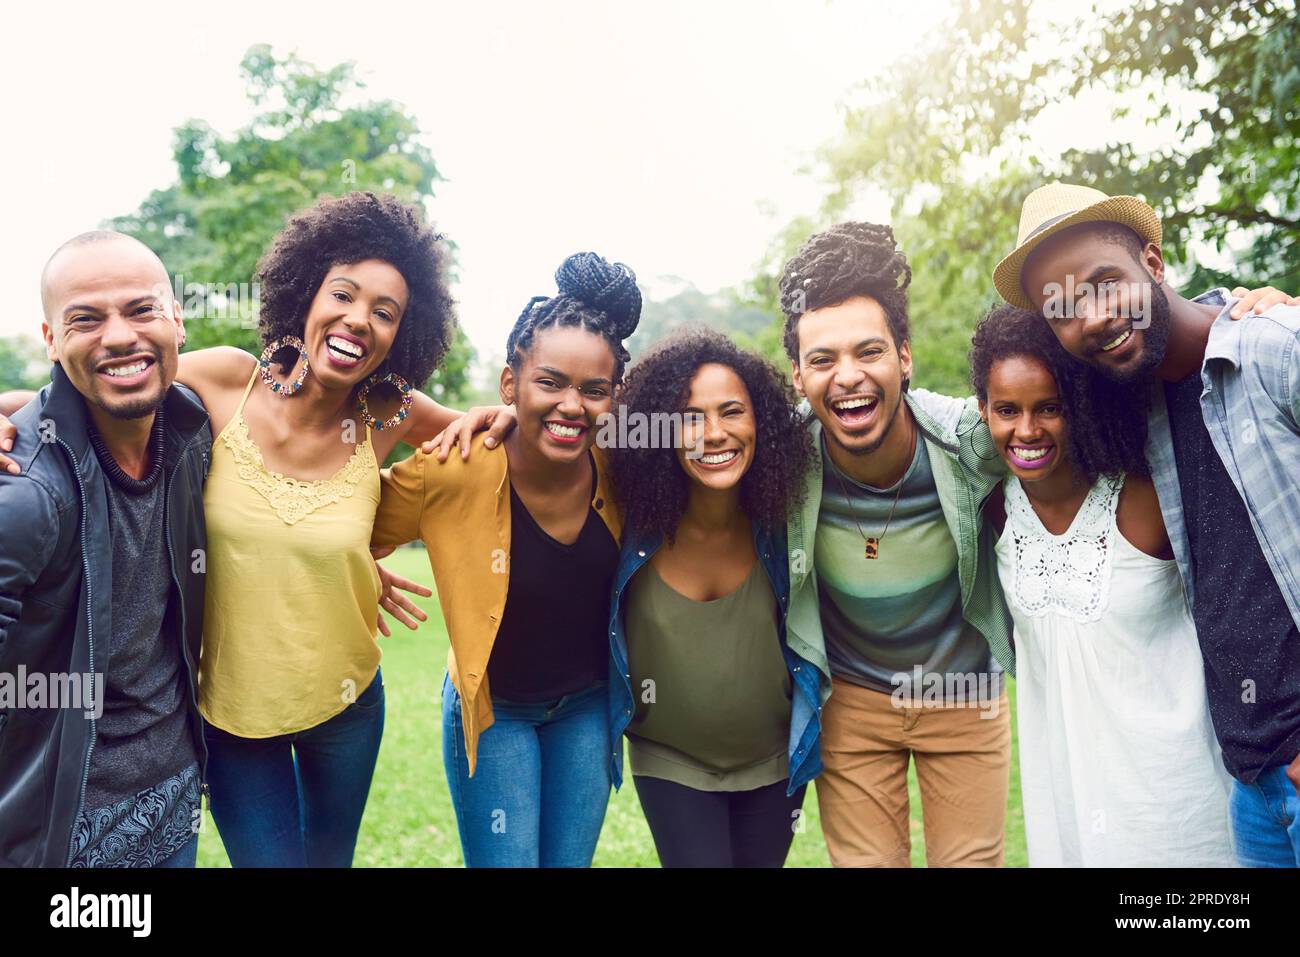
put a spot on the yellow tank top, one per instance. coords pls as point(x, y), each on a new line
point(292, 593)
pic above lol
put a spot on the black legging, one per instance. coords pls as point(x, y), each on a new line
point(719, 828)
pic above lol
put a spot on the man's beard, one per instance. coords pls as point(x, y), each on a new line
point(134, 409)
point(861, 450)
point(1155, 340)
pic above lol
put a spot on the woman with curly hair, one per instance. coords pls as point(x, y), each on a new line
point(1111, 705)
point(353, 295)
point(720, 713)
point(523, 547)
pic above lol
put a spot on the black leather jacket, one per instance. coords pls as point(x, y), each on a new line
point(55, 598)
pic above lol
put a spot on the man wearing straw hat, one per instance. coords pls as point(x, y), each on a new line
point(1224, 446)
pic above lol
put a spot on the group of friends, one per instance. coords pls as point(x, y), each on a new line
point(826, 575)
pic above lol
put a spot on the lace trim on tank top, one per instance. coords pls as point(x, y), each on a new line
point(294, 499)
point(1068, 573)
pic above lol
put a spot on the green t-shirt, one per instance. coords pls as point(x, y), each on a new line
point(711, 685)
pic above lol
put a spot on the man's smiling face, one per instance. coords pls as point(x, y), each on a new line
point(852, 372)
point(112, 323)
point(1119, 318)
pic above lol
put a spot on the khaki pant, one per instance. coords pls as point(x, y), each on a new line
point(963, 761)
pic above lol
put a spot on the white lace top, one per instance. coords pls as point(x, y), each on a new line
point(1070, 573)
point(1119, 766)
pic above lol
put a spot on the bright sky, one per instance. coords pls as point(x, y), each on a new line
point(667, 135)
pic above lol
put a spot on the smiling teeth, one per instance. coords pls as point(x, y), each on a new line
point(854, 403)
point(346, 347)
point(1031, 455)
point(717, 458)
point(133, 369)
point(563, 431)
point(1118, 341)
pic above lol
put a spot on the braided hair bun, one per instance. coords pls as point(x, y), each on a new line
point(607, 287)
point(594, 294)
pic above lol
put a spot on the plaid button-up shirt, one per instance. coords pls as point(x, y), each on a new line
point(1251, 406)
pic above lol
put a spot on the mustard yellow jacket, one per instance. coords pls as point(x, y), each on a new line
point(461, 511)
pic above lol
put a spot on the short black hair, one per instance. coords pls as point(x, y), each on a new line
point(649, 482)
point(833, 266)
point(349, 229)
point(1107, 420)
point(594, 294)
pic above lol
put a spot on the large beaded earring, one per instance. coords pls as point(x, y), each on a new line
point(403, 388)
point(264, 363)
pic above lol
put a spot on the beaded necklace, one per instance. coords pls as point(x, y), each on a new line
point(117, 475)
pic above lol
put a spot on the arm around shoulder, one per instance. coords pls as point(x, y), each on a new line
point(221, 367)
point(401, 502)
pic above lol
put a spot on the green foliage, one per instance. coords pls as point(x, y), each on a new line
point(1231, 177)
point(310, 136)
point(23, 364)
point(687, 306)
point(947, 134)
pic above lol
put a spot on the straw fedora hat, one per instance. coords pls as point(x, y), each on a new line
point(1057, 206)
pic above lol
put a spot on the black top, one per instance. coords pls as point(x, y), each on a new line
point(553, 638)
point(1248, 639)
point(143, 736)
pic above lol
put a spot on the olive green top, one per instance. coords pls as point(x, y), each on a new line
point(711, 685)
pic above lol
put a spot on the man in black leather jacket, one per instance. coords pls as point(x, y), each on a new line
point(101, 574)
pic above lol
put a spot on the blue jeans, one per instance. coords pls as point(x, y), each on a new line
point(185, 856)
point(540, 784)
point(1266, 820)
point(296, 800)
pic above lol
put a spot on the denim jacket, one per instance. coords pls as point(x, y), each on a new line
point(805, 718)
point(1251, 406)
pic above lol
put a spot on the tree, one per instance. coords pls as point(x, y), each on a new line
point(23, 364)
point(310, 136)
point(947, 134)
point(686, 306)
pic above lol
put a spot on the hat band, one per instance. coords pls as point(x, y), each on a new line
point(1048, 224)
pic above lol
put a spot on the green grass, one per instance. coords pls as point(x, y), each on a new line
point(409, 820)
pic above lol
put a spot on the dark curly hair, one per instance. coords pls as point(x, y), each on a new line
point(594, 294)
point(349, 229)
point(851, 259)
point(652, 488)
point(1107, 420)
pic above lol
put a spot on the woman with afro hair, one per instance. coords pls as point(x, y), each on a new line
point(720, 713)
point(1111, 704)
point(355, 310)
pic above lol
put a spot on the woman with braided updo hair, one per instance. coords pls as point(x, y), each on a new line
point(523, 545)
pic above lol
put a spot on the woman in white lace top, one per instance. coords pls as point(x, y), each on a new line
point(1119, 766)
